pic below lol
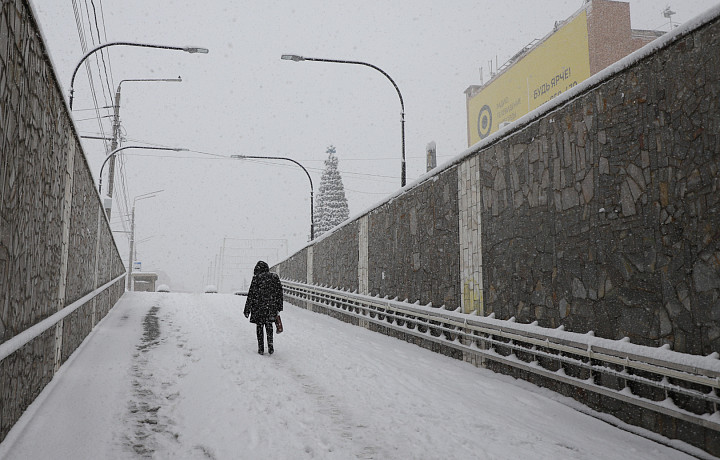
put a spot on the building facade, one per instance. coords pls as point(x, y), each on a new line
point(597, 35)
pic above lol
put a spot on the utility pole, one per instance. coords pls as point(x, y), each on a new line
point(113, 146)
point(116, 130)
point(144, 196)
point(132, 243)
point(221, 277)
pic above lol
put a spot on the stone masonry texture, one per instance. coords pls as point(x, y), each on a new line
point(294, 268)
point(412, 248)
point(335, 260)
point(413, 244)
point(604, 214)
point(37, 139)
point(601, 215)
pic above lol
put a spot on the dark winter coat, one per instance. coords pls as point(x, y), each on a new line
point(265, 296)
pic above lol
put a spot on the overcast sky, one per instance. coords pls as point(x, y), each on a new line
point(242, 99)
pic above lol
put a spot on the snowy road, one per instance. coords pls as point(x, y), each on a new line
point(178, 376)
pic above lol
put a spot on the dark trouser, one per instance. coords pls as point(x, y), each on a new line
point(260, 336)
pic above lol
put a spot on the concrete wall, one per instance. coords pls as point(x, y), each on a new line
point(600, 214)
point(55, 242)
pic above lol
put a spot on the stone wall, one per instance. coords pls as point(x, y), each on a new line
point(413, 244)
point(627, 243)
point(81, 260)
point(55, 242)
point(335, 260)
point(600, 214)
point(411, 253)
point(294, 268)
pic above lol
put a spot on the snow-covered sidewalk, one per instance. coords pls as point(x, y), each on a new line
point(178, 376)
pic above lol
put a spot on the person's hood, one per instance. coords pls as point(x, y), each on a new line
point(261, 267)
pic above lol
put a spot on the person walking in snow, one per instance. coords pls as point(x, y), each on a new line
point(264, 301)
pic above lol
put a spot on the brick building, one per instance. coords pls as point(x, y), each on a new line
point(594, 37)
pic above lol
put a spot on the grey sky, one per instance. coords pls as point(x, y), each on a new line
point(242, 99)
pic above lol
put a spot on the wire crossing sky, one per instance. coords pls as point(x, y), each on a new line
point(242, 99)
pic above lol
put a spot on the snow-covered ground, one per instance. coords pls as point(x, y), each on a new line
point(168, 375)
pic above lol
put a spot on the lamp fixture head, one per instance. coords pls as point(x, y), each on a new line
point(196, 49)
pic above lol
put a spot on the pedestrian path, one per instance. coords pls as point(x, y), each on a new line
point(178, 376)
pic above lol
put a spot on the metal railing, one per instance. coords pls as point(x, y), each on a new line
point(679, 385)
point(16, 342)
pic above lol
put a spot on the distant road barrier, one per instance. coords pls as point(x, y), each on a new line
point(681, 386)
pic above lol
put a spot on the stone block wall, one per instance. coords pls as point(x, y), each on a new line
point(81, 260)
point(601, 214)
point(294, 268)
point(411, 253)
point(55, 242)
point(608, 214)
point(335, 260)
point(413, 244)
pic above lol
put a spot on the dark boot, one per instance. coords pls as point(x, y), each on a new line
point(269, 331)
point(260, 338)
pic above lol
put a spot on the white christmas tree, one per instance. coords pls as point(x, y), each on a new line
point(332, 207)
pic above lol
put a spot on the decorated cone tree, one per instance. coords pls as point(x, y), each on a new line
point(332, 207)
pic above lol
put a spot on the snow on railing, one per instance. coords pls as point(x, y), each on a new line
point(615, 368)
point(13, 344)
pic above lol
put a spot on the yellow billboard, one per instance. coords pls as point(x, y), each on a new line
point(557, 64)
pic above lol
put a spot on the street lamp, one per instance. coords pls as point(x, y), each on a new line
point(296, 58)
point(312, 215)
point(187, 49)
point(144, 196)
point(116, 125)
point(116, 151)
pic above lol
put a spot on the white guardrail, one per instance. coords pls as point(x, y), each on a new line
point(13, 344)
point(666, 378)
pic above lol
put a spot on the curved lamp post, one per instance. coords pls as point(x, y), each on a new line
point(116, 107)
point(118, 150)
point(187, 49)
point(312, 214)
point(116, 125)
point(296, 58)
point(144, 196)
